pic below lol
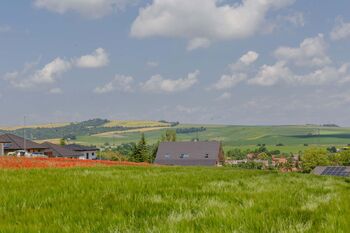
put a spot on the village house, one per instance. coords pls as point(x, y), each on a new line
point(85, 152)
point(190, 153)
point(12, 143)
point(54, 150)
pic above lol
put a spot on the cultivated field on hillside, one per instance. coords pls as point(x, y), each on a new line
point(293, 138)
point(171, 199)
point(43, 126)
point(138, 124)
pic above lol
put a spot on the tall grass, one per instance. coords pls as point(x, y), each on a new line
point(160, 199)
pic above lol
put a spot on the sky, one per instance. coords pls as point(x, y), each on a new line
point(241, 62)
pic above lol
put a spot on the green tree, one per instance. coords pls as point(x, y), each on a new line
point(342, 158)
point(153, 152)
point(314, 157)
point(140, 151)
point(62, 142)
point(170, 136)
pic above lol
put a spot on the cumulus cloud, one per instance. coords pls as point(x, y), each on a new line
point(341, 30)
point(47, 75)
point(87, 8)
point(158, 84)
point(238, 72)
point(245, 61)
point(203, 21)
point(280, 72)
point(229, 81)
point(30, 76)
point(98, 58)
point(270, 75)
point(120, 83)
point(311, 52)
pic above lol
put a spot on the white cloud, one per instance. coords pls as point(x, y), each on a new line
point(56, 91)
point(311, 52)
point(203, 21)
point(47, 75)
point(270, 75)
point(119, 83)
point(249, 58)
point(87, 8)
point(341, 30)
point(279, 72)
point(158, 84)
point(238, 72)
point(98, 58)
point(245, 61)
point(229, 81)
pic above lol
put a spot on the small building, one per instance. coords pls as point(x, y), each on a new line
point(85, 152)
point(190, 154)
point(3, 142)
point(332, 171)
point(13, 143)
point(54, 150)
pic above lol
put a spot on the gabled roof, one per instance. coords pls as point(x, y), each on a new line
point(60, 151)
point(17, 143)
point(80, 148)
point(189, 153)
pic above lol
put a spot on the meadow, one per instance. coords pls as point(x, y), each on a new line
point(171, 199)
point(292, 137)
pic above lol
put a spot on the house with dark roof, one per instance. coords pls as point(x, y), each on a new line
point(190, 154)
point(12, 143)
point(54, 150)
point(86, 152)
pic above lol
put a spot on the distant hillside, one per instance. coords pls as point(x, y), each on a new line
point(84, 128)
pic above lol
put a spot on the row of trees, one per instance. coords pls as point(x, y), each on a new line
point(314, 157)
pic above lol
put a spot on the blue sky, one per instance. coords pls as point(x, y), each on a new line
point(200, 61)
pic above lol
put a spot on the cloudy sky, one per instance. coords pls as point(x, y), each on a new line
point(198, 61)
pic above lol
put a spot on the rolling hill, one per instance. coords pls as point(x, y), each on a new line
point(286, 138)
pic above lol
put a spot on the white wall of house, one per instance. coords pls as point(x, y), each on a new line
point(88, 155)
point(2, 153)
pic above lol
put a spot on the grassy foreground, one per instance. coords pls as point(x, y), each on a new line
point(160, 199)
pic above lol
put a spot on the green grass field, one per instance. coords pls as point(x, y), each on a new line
point(292, 137)
point(171, 199)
